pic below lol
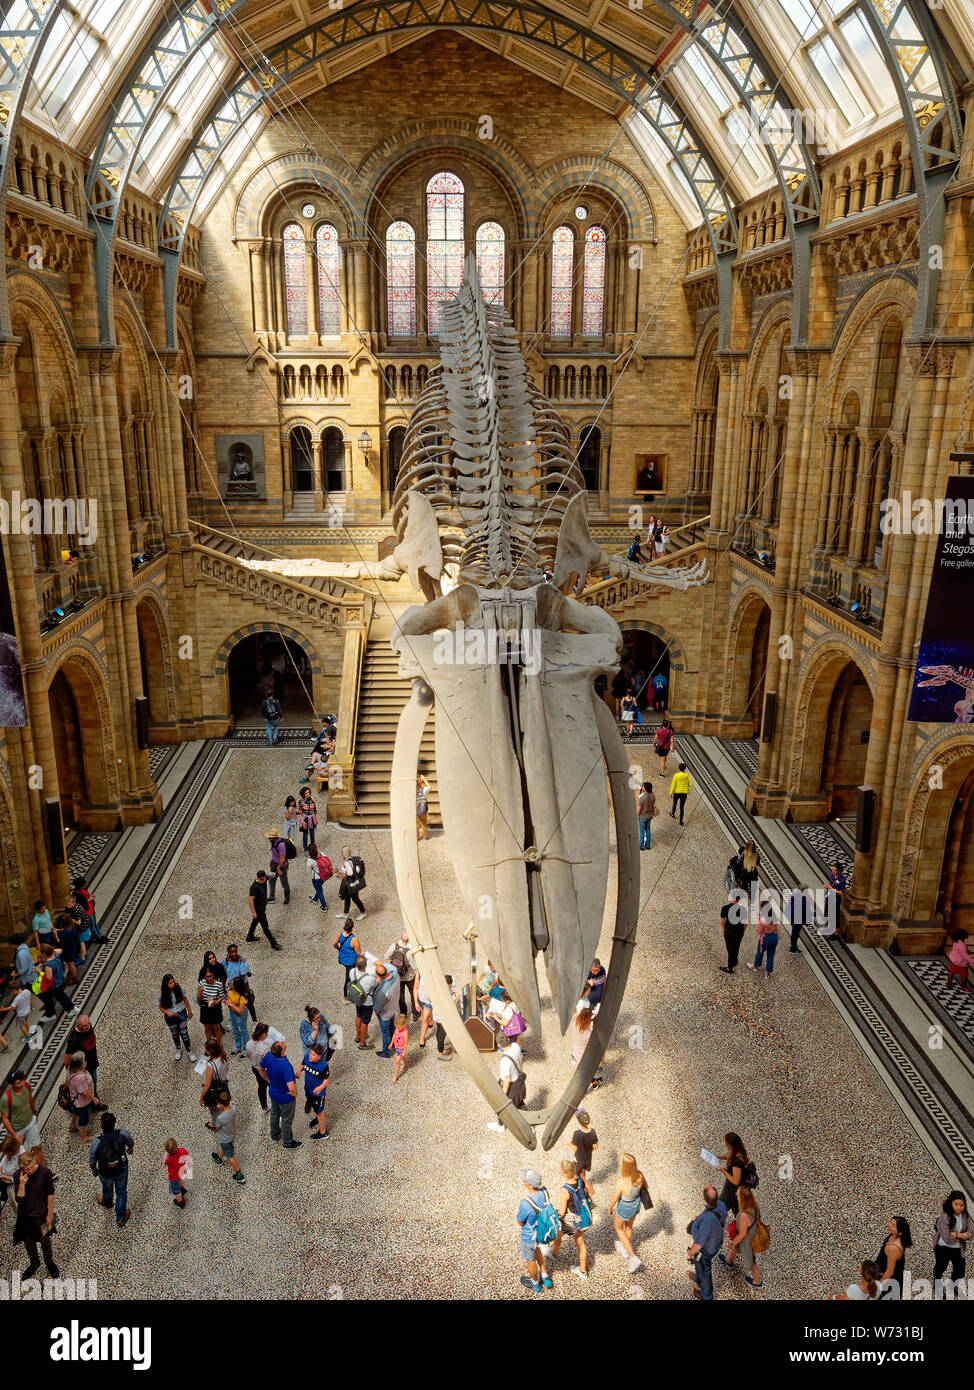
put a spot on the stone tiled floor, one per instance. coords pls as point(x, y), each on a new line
point(412, 1195)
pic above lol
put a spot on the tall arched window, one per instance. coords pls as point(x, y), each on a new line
point(328, 256)
point(295, 281)
point(593, 283)
point(490, 261)
point(589, 456)
point(333, 459)
point(302, 460)
point(397, 438)
point(444, 243)
point(562, 266)
point(401, 280)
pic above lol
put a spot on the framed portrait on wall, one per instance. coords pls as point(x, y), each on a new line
point(650, 474)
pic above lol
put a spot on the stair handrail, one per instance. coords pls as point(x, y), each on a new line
point(202, 526)
point(601, 585)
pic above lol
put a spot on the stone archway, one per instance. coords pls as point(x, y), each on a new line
point(156, 661)
point(831, 738)
point(935, 887)
point(674, 653)
point(247, 660)
point(747, 662)
point(83, 745)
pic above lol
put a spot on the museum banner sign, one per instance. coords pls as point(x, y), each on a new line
point(943, 683)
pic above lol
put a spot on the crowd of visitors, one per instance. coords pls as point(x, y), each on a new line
point(728, 1232)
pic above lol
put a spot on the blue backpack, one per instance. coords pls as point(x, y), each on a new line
point(549, 1222)
point(578, 1217)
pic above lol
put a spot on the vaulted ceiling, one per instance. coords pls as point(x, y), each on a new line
point(157, 92)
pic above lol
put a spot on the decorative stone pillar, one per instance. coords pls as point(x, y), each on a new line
point(171, 413)
point(259, 288)
point(527, 302)
point(865, 483)
point(140, 800)
point(766, 794)
point(37, 740)
point(287, 493)
point(319, 476)
point(876, 875)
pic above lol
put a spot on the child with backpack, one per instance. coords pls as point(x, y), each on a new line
point(574, 1208)
point(321, 871)
point(178, 1166)
point(540, 1225)
point(86, 900)
point(400, 1040)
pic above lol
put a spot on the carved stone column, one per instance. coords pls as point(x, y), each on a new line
point(37, 740)
point(867, 910)
point(259, 289)
point(864, 484)
point(766, 794)
point(140, 800)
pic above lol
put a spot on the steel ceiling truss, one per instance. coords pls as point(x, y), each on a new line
point(176, 41)
point(910, 43)
point(20, 51)
point(275, 71)
point(781, 129)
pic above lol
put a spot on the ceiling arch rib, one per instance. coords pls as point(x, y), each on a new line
point(24, 29)
point(731, 45)
point(174, 43)
point(911, 45)
point(532, 23)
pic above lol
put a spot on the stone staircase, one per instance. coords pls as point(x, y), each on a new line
point(382, 696)
point(619, 596)
point(229, 545)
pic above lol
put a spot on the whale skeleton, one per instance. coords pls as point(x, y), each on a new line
point(527, 756)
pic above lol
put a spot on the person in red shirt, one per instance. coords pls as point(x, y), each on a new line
point(177, 1166)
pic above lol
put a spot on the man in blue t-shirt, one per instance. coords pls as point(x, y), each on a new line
point(707, 1234)
point(281, 1090)
point(527, 1218)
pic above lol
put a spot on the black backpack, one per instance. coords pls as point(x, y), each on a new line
point(290, 849)
point(111, 1155)
point(356, 882)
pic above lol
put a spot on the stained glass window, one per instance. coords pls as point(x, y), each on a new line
point(295, 281)
point(444, 243)
point(562, 267)
point(490, 261)
point(401, 280)
point(328, 254)
point(593, 283)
